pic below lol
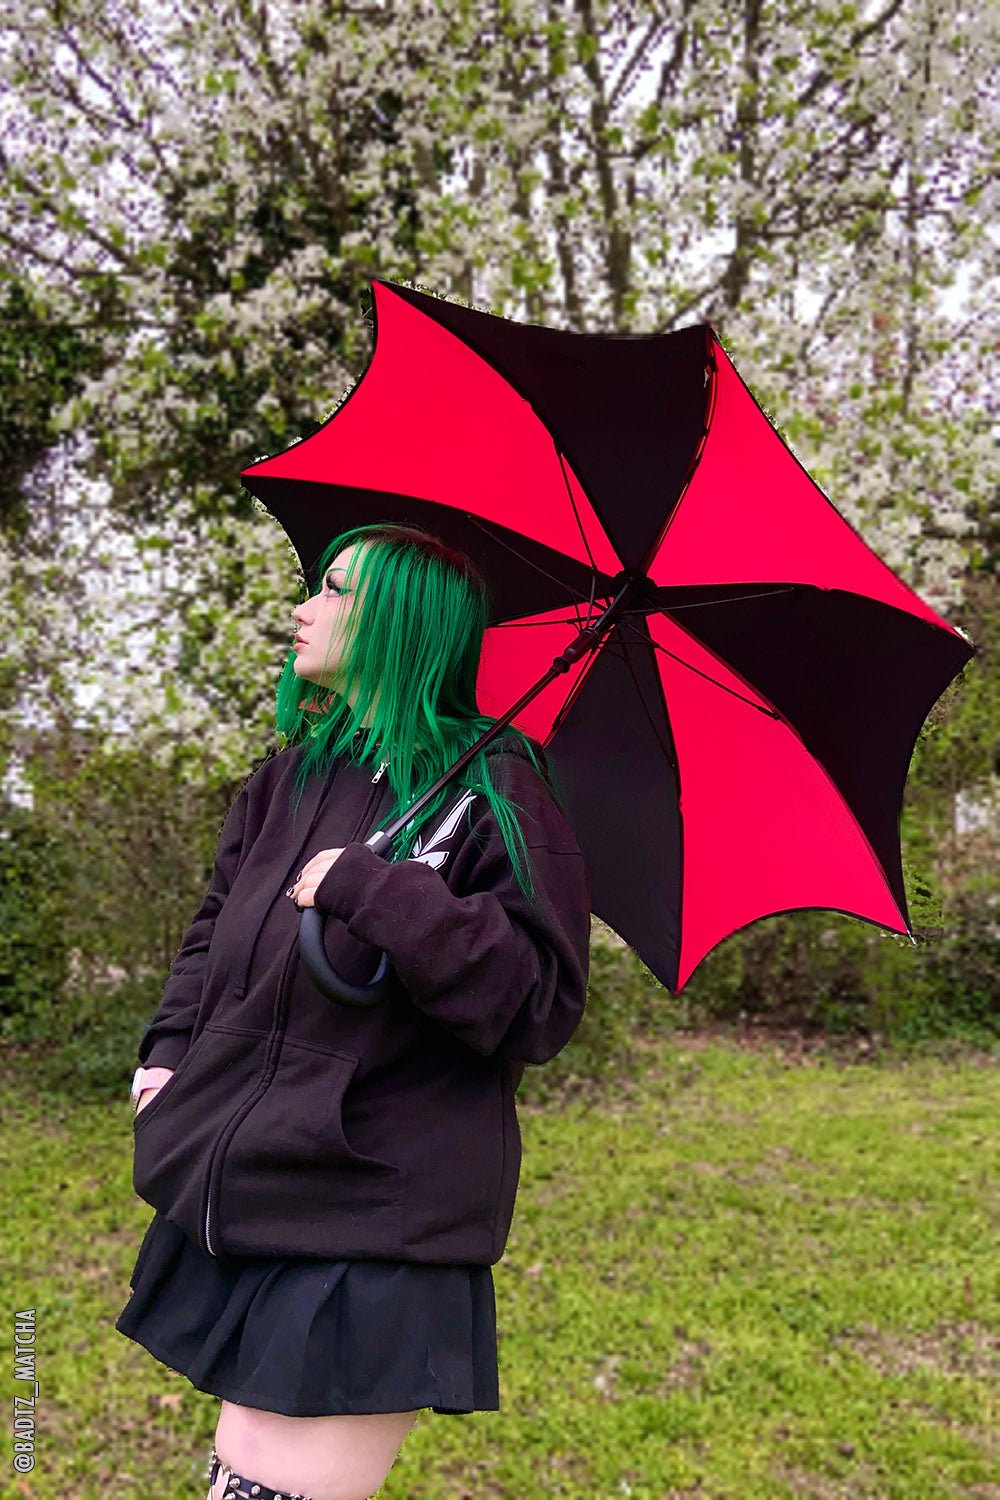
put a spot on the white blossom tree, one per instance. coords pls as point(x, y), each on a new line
point(201, 192)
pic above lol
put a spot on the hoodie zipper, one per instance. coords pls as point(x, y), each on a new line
point(274, 1047)
point(270, 1063)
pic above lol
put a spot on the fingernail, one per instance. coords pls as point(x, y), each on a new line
point(290, 890)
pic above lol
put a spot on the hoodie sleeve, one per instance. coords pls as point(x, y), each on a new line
point(166, 1038)
point(504, 976)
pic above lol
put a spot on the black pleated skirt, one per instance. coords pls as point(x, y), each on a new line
point(313, 1338)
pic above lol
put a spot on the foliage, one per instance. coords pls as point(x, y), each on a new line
point(126, 853)
point(192, 202)
point(801, 971)
point(34, 943)
point(198, 194)
point(959, 746)
point(43, 361)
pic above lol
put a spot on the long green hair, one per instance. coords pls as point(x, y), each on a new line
point(412, 648)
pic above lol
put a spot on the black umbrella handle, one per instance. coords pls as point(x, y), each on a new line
point(325, 977)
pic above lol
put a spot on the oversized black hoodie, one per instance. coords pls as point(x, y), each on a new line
point(294, 1125)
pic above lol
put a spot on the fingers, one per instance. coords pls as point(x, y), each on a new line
point(302, 890)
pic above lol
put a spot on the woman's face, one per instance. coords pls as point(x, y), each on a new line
point(322, 621)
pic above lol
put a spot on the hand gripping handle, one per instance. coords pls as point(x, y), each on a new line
point(319, 968)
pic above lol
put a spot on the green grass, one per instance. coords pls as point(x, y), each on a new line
point(742, 1277)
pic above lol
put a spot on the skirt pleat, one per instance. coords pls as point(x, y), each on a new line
point(312, 1338)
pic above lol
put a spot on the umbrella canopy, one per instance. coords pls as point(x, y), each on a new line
point(738, 743)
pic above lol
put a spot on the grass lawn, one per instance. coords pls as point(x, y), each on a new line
point(747, 1277)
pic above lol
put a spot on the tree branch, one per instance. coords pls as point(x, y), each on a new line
point(668, 75)
point(124, 113)
point(560, 185)
point(619, 243)
point(823, 76)
point(647, 42)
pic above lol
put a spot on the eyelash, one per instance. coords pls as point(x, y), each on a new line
point(331, 585)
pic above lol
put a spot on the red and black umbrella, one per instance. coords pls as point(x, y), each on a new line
point(732, 681)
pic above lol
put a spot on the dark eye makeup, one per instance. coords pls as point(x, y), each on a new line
point(331, 585)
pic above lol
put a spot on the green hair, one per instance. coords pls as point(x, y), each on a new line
point(412, 647)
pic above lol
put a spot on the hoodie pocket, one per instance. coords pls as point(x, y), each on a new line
point(141, 1118)
point(311, 1158)
point(176, 1134)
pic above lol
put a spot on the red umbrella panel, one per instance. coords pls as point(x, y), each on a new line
point(738, 744)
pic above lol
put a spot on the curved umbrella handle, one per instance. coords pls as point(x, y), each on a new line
point(311, 947)
point(325, 977)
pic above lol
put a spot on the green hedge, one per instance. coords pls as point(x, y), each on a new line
point(114, 883)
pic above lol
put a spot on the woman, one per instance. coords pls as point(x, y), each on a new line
point(333, 1184)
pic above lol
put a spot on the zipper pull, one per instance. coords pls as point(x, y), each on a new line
point(378, 773)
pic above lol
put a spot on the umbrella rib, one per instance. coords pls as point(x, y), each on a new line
point(532, 624)
point(644, 611)
point(648, 641)
point(732, 599)
point(545, 574)
point(581, 625)
point(652, 723)
point(621, 617)
point(583, 537)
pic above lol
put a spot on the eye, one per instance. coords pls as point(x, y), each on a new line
point(331, 585)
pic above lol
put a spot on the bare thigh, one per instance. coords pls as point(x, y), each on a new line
point(326, 1458)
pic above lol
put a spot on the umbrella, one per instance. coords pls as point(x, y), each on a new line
point(726, 679)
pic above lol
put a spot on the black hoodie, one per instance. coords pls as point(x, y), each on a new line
point(294, 1125)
